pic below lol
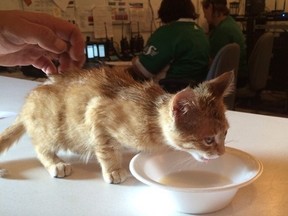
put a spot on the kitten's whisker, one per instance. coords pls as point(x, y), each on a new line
point(183, 163)
point(229, 141)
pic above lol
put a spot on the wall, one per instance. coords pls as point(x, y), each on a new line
point(84, 8)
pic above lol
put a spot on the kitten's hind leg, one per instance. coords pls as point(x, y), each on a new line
point(109, 158)
point(54, 165)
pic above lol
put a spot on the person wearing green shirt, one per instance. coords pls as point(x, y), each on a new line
point(177, 49)
point(223, 29)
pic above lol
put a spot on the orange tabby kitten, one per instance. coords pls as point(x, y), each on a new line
point(101, 110)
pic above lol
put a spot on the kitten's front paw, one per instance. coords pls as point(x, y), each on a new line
point(116, 176)
point(60, 170)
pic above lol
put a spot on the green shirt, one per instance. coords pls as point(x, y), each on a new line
point(181, 45)
point(228, 31)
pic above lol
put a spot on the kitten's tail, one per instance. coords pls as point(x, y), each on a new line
point(11, 134)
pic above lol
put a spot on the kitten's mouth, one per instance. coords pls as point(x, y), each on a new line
point(202, 158)
point(199, 157)
point(206, 160)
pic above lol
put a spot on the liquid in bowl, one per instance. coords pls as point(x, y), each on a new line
point(194, 179)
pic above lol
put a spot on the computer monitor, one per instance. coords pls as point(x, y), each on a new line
point(96, 51)
point(89, 51)
point(101, 50)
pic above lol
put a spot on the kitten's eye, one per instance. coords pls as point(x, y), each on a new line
point(209, 140)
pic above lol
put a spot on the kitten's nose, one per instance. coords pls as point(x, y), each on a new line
point(220, 149)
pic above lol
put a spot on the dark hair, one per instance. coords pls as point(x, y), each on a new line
point(172, 10)
point(218, 6)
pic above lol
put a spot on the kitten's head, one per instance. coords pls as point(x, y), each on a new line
point(196, 121)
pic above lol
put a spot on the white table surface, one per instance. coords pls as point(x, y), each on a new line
point(29, 190)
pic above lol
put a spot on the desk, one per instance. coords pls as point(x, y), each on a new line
point(29, 190)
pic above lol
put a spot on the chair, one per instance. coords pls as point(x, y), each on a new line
point(258, 66)
point(227, 59)
point(175, 85)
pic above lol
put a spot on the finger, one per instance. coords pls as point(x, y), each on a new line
point(46, 65)
point(65, 62)
point(65, 31)
point(77, 46)
point(34, 34)
point(45, 38)
point(25, 56)
point(49, 33)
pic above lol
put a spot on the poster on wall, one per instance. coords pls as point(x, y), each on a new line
point(140, 16)
point(85, 19)
point(102, 22)
point(43, 6)
point(10, 5)
point(96, 16)
point(69, 13)
point(84, 15)
point(58, 8)
point(119, 11)
point(62, 4)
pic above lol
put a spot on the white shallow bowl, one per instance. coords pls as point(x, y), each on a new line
point(193, 186)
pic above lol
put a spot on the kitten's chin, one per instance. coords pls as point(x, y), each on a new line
point(203, 158)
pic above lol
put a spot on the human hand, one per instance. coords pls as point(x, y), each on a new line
point(28, 38)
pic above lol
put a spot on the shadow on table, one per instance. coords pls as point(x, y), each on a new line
point(31, 168)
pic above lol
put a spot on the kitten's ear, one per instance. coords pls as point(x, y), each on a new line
point(222, 85)
point(183, 102)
